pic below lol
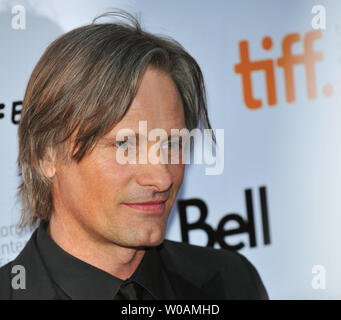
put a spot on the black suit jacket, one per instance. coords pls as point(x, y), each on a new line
point(195, 273)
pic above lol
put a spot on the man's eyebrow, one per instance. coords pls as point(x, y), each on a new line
point(112, 137)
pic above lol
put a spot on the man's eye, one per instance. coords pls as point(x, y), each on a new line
point(174, 144)
point(121, 144)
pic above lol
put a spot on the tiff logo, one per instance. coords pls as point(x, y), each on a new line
point(287, 61)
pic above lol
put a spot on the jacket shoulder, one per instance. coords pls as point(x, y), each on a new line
point(5, 276)
point(37, 284)
point(236, 270)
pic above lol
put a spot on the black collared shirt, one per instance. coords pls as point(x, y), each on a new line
point(76, 279)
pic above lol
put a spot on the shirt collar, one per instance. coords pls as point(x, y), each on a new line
point(80, 280)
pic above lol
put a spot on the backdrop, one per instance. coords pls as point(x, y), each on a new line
point(272, 71)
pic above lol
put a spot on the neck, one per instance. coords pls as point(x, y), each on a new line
point(119, 261)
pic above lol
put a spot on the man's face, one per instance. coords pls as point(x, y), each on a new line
point(95, 192)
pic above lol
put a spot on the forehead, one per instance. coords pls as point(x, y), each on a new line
point(157, 101)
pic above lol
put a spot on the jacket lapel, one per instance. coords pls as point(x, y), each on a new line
point(38, 282)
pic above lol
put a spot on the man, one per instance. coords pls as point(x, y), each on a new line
point(102, 223)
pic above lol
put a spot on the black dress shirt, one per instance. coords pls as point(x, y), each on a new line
point(75, 279)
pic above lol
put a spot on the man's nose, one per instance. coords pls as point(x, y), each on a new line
point(155, 174)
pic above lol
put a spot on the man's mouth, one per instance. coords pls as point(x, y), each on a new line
point(150, 206)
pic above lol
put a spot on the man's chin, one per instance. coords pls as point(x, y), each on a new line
point(151, 242)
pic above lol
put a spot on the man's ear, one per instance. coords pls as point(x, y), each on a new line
point(48, 163)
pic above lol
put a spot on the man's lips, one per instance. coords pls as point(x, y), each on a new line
point(150, 206)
